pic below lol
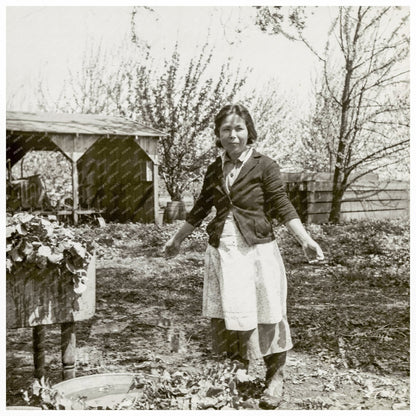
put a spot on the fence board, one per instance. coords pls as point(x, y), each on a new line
point(367, 198)
point(374, 215)
point(372, 195)
point(375, 205)
point(319, 218)
point(372, 205)
point(359, 186)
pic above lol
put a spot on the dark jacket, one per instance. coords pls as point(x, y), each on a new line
point(257, 196)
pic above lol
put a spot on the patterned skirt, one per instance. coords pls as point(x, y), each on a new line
point(245, 295)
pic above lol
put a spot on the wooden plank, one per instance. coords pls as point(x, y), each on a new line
point(365, 199)
point(74, 191)
point(117, 181)
point(326, 208)
point(319, 208)
point(68, 350)
point(374, 215)
point(69, 212)
point(77, 123)
point(372, 205)
point(149, 145)
point(40, 296)
point(316, 218)
point(321, 177)
point(364, 186)
point(320, 218)
point(320, 186)
point(375, 205)
point(80, 212)
point(377, 195)
point(310, 197)
point(73, 145)
point(38, 338)
point(158, 219)
point(321, 196)
point(394, 185)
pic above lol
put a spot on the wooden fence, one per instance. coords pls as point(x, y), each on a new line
point(368, 198)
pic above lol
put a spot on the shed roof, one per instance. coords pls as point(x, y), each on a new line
point(77, 123)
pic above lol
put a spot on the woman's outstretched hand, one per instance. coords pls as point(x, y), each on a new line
point(171, 248)
point(313, 251)
point(311, 248)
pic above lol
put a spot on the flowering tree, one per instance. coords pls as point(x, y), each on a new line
point(182, 101)
point(180, 98)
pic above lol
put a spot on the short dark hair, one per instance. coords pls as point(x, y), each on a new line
point(242, 112)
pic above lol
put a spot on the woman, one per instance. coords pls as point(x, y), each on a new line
point(245, 282)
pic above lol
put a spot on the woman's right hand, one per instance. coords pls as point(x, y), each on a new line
point(172, 247)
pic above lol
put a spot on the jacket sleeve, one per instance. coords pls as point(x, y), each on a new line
point(278, 204)
point(205, 201)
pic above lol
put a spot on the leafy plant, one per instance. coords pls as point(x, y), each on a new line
point(34, 241)
point(42, 394)
point(222, 385)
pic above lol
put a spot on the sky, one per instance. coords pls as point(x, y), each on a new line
point(43, 42)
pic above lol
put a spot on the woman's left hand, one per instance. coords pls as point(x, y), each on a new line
point(312, 251)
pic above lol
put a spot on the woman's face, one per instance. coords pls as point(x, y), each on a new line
point(233, 135)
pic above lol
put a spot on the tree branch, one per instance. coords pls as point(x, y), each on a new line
point(357, 177)
point(380, 153)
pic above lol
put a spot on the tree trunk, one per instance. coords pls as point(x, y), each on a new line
point(335, 213)
point(338, 190)
point(339, 172)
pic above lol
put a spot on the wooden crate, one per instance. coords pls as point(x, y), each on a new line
point(37, 296)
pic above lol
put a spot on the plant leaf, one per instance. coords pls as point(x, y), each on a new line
point(44, 251)
point(10, 229)
point(242, 376)
point(36, 386)
point(15, 255)
point(55, 257)
point(80, 285)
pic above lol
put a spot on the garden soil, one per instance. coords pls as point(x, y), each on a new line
point(148, 321)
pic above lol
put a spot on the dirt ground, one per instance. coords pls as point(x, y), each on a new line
point(142, 298)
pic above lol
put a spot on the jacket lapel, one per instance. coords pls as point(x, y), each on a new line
point(219, 177)
point(248, 166)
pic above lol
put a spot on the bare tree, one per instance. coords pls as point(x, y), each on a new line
point(363, 104)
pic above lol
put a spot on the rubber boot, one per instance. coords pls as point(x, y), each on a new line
point(273, 394)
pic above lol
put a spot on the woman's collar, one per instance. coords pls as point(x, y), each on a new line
point(242, 157)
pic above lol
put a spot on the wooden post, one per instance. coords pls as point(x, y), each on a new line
point(68, 349)
point(310, 200)
point(75, 191)
point(73, 147)
point(156, 193)
point(39, 350)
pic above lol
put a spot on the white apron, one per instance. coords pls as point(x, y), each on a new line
point(244, 285)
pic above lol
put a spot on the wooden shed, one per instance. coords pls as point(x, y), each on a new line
point(114, 160)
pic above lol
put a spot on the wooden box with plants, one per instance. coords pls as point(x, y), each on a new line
point(50, 279)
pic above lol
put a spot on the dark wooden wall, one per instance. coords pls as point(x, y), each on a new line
point(115, 176)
